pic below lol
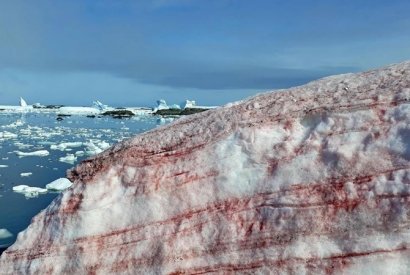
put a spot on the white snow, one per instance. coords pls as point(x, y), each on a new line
point(59, 184)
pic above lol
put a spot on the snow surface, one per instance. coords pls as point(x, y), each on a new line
point(309, 180)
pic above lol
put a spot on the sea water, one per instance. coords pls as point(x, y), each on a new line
point(30, 132)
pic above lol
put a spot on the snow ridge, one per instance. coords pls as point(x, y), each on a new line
point(313, 179)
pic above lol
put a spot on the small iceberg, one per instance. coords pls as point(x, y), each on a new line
point(4, 233)
point(94, 147)
point(63, 146)
point(28, 191)
point(7, 135)
point(23, 103)
point(39, 153)
point(98, 105)
point(59, 184)
point(189, 104)
point(26, 174)
point(162, 104)
point(69, 158)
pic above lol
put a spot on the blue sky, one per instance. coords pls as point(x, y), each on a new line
point(131, 53)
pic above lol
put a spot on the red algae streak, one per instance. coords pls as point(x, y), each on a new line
point(309, 180)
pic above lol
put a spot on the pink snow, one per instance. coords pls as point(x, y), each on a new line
point(313, 179)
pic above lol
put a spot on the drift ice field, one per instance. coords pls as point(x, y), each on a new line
point(36, 150)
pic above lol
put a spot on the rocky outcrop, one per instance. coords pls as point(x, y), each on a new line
point(311, 179)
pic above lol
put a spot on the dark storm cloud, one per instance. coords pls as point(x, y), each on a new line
point(202, 44)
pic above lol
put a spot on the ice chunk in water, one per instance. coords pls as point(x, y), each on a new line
point(59, 184)
point(4, 233)
point(29, 191)
point(39, 153)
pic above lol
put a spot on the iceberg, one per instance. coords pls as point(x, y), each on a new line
point(189, 104)
point(98, 105)
point(23, 103)
point(59, 184)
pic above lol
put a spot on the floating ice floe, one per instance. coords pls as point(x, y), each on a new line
point(7, 135)
point(164, 120)
point(78, 111)
point(59, 184)
point(26, 174)
point(79, 153)
point(94, 147)
point(3, 166)
point(39, 153)
point(21, 145)
point(4, 233)
point(16, 124)
point(28, 191)
point(69, 158)
point(65, 145)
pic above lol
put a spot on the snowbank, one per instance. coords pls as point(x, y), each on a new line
point(309, 180)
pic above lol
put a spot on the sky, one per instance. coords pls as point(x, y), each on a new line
point(133, 52)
